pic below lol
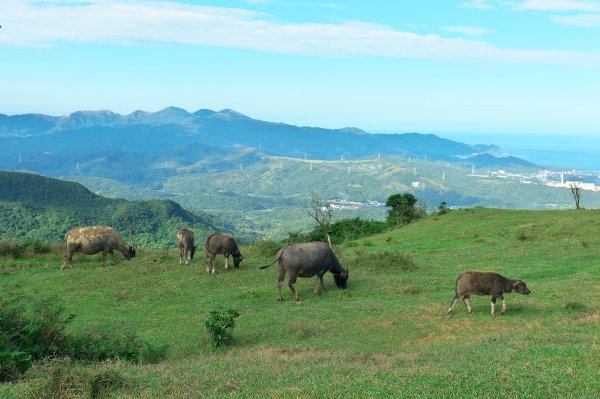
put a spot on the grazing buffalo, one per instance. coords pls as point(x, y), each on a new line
point(185, 244)
point(486, 283)
point(221, 243)
point(308, 260)
point(93, 239)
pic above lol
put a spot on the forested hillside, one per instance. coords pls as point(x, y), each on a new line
point(41, 208)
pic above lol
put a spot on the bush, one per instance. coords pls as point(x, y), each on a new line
point(37, 331)
point(220, 325)
point(341, 231)
point(391, 259)
point(27, 335)
point(12, 249)
point(39, 247)
point(268, 248)
point(104, 344)
point(64, 378)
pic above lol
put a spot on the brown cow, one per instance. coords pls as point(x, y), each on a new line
point(486, 283)
point(93, 239)
point(221, 243)
point(185, 244)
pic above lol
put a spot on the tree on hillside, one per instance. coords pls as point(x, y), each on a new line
point(575, 187)
point(321, 212)
point(404, 209)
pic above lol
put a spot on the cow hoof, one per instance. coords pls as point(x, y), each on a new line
point(280, 299)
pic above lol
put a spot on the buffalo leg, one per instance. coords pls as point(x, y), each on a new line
point(226, 262)
point(503, 310)
point(280, 279)
point(207, 262)
point(292, 283)
point(67, 258)
point(493, 305)
point(320, 286)
point(180, 256)
point(212, 262)
point(466, 301)
point(453, 302)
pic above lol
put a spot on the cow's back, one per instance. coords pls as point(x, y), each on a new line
point(306, 256)
point(92, 239)
point(220, 243)
point(185, 238)
point(478, 282)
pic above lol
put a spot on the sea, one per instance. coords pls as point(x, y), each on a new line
point(569, 152)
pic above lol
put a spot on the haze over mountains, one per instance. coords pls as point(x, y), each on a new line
point(84, 132)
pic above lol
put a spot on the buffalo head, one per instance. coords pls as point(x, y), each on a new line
point(237, 260)
point(520, 287)
point(130, 253)
point(341, 279)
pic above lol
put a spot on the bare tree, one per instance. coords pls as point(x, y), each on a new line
point(575, 187)
point(321, 212)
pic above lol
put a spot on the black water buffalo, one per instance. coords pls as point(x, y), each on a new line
point(185, 244)
point(308, 260)
point(221, 243)
point(486, 283)
point(93, 239)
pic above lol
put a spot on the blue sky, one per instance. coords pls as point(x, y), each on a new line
point(527, 66)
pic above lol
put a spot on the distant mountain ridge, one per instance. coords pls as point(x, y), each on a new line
point(85, 133)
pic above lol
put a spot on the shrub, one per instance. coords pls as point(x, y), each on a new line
point(12, 249)
point(39, 247)
point(105, 382)
point(103, 344)
point(392, 259)
point(220, 325)
point(37, 331)
point(27, 335)
point(65, 378)
point(268, 248)
point(443, 209)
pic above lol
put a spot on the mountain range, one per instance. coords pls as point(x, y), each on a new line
point(85, 132)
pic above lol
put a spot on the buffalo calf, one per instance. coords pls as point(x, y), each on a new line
point(486, 283)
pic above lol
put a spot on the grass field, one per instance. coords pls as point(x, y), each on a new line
point(388, 335)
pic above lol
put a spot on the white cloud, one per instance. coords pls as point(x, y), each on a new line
point(478, 5)
point(134, 22)
point(468, 30)
point(256, 2)
point(584, 20)
point(560, 5)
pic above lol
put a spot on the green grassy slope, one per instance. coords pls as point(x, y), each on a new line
point(388, 335)
point(42, 208)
